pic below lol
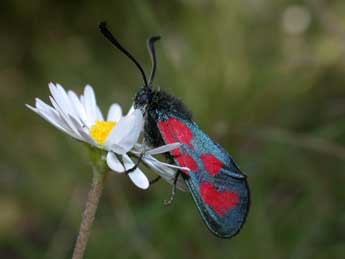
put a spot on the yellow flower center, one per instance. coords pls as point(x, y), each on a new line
point(100, 130)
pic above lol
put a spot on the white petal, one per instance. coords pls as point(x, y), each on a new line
point(60, 97)
point(116, 149)
point(31, 108)
point(65, 108)
point(126, 133)
point(139, 179)
point(114, 113)
point(65, 118)
point(137, 176)
point(159, 163)
point(70, 107)
point(89, 102)
point(83, 132)
point(131, 110)
point(99, 114)
point(169, 173)
point(78, 106)
point(48, 119)
point(114, 163)
point(52, 116)
point(166, 173)
point(139, 147)
point(163, 149)
point(166, 167)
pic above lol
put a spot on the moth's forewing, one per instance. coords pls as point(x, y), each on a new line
point(217, 185)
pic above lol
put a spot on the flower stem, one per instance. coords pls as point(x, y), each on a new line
point(88, 217)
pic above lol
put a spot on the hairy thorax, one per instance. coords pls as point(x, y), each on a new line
point(160, 107)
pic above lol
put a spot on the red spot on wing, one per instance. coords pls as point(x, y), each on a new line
point(173, 131)
point(220, 201)
point(180, 130)
point(168, 136)
point(211, 164)
point(187, 161)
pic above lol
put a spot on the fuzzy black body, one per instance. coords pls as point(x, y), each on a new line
point(212, 193)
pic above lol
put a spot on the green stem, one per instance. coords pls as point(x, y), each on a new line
point(94, 195)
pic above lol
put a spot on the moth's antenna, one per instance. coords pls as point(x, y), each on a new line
point(106, 33)
point(151, 48)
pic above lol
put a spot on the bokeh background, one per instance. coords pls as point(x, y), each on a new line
point(266, 79)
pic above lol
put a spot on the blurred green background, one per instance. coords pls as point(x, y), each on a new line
point(266, 79)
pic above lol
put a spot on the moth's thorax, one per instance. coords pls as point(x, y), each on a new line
point(163, 104)
point(160, 108)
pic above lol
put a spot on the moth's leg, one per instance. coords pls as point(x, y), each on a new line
point(155, 180)
point(136, 164)
point(173, 192)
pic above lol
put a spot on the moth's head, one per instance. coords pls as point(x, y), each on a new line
point(144, 95)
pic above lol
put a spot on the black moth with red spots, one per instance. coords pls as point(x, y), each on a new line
point(217, 185)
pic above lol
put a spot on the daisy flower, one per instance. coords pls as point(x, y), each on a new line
point(81, 118)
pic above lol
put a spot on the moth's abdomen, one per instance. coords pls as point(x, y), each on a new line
point(151, 133)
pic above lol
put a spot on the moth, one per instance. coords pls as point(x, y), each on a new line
point(217, 185)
